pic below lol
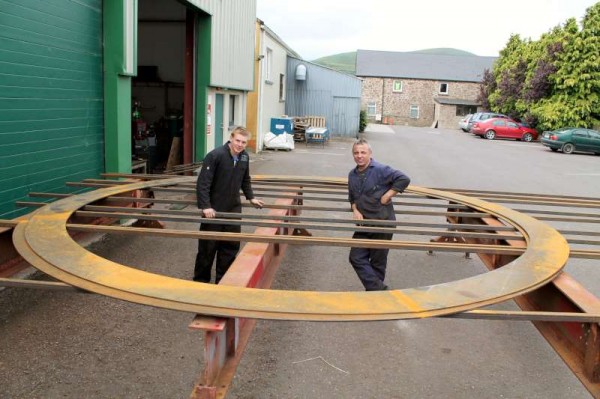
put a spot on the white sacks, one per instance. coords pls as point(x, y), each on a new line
point(283, 141)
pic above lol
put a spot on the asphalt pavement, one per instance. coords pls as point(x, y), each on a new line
point(73, 345)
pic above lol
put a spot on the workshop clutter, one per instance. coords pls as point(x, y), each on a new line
point(284, 131)
point(155, 146)
point(280, 136)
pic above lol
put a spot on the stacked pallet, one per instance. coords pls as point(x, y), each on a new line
point(301, 123)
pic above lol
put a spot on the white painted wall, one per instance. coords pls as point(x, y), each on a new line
point(270, 105)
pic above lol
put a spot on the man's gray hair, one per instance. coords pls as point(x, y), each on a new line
point(361, 142)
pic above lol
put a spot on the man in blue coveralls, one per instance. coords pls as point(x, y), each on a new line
point(371, 187)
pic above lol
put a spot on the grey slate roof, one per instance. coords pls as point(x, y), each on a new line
point(459, 68)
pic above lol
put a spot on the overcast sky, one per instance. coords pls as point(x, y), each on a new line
point(316, 28)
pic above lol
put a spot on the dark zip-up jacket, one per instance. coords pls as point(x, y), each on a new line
point(367, 195)
point(219, 182)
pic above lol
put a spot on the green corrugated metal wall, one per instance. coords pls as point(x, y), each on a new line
point(51, 96)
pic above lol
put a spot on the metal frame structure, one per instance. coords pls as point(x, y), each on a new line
point(563, 311)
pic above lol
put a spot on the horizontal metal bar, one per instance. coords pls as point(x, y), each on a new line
point(513, 194)
point(49, 195)
point(225, 215)
point(559, 219)
point(584, 254)
point(579, 233)
point(299, 207)
point(139, 176)
point(561, 213)
point(574, 204)
point(8, 223)
point(482, 314)
point(298, 240)
point(584, 242)
point(108, 181)
point(84, 184)
point(309, 198)
point(31, 204)
point(296, 225)
point(37, 284)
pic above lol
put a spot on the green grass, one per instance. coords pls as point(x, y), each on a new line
point(346, 62)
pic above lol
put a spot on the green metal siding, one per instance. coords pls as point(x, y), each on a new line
point(51, 97)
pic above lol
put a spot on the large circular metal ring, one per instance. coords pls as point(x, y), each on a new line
point(38, 237)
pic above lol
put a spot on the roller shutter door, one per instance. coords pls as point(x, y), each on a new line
point(51, 96)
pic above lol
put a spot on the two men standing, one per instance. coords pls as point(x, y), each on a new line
point(226, 170)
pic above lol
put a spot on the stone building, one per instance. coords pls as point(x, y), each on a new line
point(419, 89)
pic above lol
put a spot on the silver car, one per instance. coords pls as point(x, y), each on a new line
point(464, 123)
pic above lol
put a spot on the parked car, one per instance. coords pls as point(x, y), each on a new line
point(570, 139)
point(503, 128)
point(463, 124)
point(482, 116)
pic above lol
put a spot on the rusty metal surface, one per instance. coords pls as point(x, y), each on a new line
point(45, 242)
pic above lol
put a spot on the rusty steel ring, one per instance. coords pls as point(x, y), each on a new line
point(38, 238)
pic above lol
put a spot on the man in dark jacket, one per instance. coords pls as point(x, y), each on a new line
point(225, 170)
point(371, 187)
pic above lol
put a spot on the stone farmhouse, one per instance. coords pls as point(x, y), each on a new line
point(420, 89)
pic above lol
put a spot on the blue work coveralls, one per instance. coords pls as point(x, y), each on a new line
point(366, 193)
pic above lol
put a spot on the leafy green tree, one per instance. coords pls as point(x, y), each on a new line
point(553, 82)
point(362, 123)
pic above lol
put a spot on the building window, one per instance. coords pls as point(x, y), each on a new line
point(269, 66)
point(371, 108)
point(232, 121)
point(443, 88)
point(281, 87)
point(414, 112)
point(397, 86)
point(462, 110)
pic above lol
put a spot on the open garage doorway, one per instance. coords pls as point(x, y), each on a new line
point(162, 91)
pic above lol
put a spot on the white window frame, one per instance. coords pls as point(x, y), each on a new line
point(414, 108)
point(281, 87)
point(447, 88)
point(269, 66)
point(399, 90)
point(371, 105)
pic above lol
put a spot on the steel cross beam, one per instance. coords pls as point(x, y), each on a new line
point(225, 339)
point(577, 343)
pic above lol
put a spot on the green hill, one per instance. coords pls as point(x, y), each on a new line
point(346, 62)
point(343, 62)
point(443, 51)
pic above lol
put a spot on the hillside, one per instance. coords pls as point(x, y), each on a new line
point(343, 62)
point(346, 62)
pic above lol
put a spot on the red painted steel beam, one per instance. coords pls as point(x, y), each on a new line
point(225, 339)
point(578, 344)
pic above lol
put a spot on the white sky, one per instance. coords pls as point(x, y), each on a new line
point(317, 28)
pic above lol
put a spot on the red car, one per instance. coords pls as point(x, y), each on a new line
point(503, 128)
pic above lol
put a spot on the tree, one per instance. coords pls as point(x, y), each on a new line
point(554, 81)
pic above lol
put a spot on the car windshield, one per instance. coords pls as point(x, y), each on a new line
point(562, 130)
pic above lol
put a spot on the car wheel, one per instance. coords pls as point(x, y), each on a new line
point(490, 135)
point(553, 149)
point(528, 137)
point(568, 148)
